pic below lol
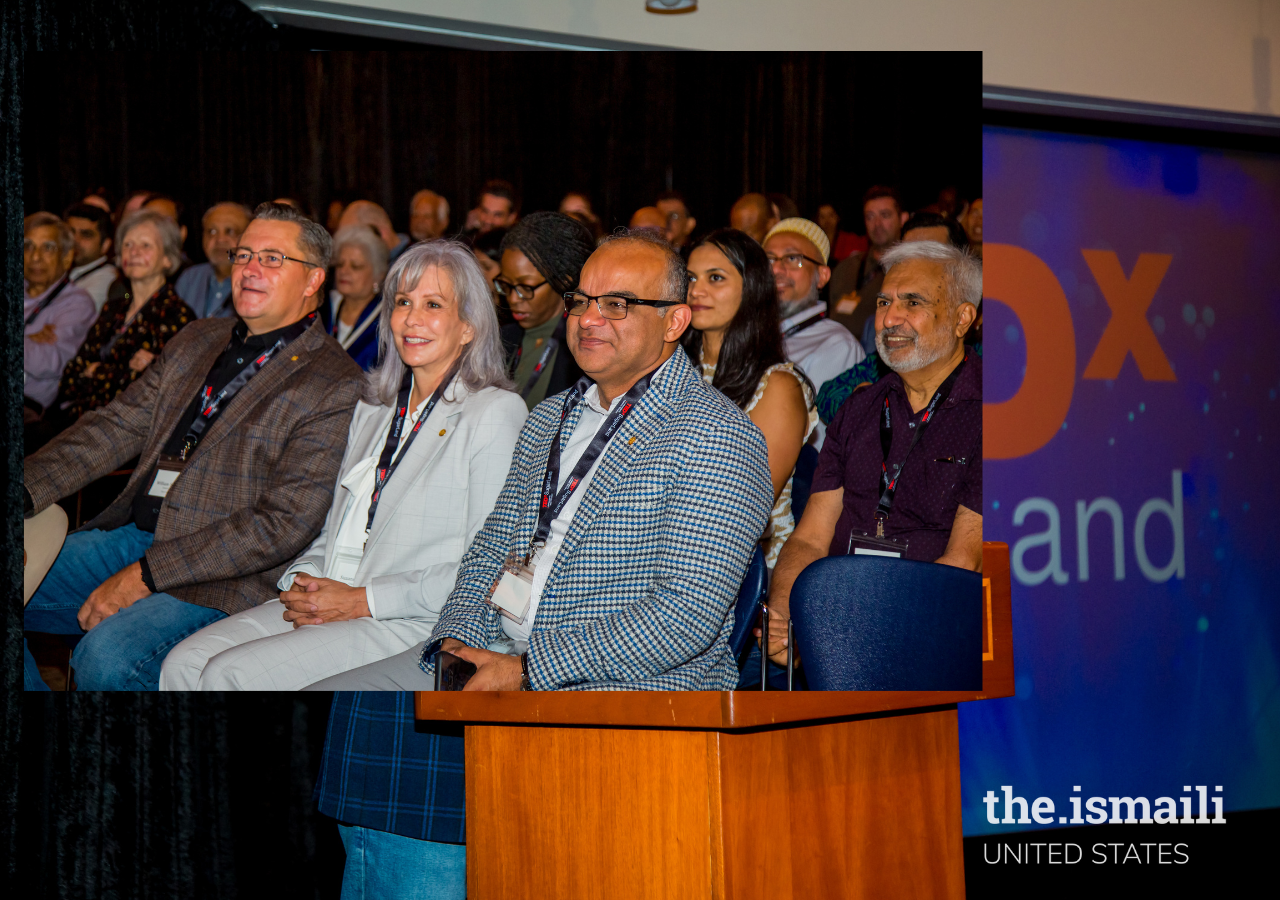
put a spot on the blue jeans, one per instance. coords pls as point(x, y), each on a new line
point(386, 866)
point(749, 674)
point(124, 651)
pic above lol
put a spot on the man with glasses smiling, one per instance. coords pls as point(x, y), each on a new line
point(240, 425)
point(633, 504)
point(798, 250)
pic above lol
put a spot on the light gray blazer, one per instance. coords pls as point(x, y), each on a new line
point(434, 504)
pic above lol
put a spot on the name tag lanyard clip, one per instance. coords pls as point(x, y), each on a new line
point(890, 484)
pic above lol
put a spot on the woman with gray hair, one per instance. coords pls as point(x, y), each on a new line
point(351, 315)
point(427, 453)
point(133, 327)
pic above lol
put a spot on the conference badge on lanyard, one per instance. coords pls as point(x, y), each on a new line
point(512, 591)
point(168, 468)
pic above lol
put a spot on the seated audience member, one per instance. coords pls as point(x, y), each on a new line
point(239, 425)
point(497, 207)
point(753, 213)
point(351, 313)
point(333, 214)
point(366, 212)
point(397, 794)
point(972, 222)
point(57, 313)
point(860, 274)
point(922, 496)
point(680, 225)
point(91, 228)
point(427, 452)
point(133, 202)
point(428, 216)
point(133, 328)
point(734, 340)
point(163, 203)
point(541, 259)
point(842, 242)
point(578, 205)
point(920, 227)
point(486, 247)
point(626, 572)
point(649, 218)
point(923, 226)
point(206, 287)
point(99, 198)
point(797, 251)
point(783, 206)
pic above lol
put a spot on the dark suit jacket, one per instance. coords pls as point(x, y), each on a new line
point(564, 370)
point(255, 491)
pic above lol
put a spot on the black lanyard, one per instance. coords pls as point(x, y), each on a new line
point(552, 344)
point(807, 323)
point(211, 404)
point(553, 501)
point(386, 465)
point(890, 485)
point(44, 304)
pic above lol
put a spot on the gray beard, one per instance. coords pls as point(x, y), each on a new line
point(917, 357)
point(788, 308)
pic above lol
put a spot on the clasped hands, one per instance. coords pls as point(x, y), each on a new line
point(494, 671)
point(315, 601)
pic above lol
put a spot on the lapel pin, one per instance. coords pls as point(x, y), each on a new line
point(442, 431)
point(632, 441)
point(295, 359)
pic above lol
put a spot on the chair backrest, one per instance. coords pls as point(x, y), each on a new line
point(875, 623)
point(802, 479)
point(750, 596)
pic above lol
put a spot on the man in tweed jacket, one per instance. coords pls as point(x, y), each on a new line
point(154, 568)
point(640, 592)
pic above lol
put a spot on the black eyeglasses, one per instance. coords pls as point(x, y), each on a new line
point(611, 306)
point(268, 259)
point(523, 291)
point(792, 260)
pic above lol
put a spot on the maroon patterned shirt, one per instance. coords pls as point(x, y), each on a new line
point(944, 470)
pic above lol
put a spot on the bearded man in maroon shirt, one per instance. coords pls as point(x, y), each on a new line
point(901, 470)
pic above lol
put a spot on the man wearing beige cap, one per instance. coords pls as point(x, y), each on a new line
point(798, 250)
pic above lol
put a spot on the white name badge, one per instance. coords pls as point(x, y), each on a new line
point(865, 551)
point(163, 481)
point(511, 595)
point(345, 563)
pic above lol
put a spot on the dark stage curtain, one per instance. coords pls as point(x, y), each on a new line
point(213, 126)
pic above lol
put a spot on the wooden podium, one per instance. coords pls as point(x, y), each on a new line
point(734, 794)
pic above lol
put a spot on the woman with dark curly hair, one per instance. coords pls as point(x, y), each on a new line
point(734, 337)
point(133, 328)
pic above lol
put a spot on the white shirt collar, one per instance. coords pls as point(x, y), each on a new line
point(80, 270)
point(804, 315)
point(592, 396)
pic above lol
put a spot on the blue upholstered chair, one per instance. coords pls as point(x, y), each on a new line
point(747, 609)
point(802, 480)
point(875, 623)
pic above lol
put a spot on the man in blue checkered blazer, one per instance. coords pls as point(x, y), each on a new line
point(637, 556)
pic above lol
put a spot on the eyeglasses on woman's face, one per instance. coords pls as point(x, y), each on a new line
point(523, 291)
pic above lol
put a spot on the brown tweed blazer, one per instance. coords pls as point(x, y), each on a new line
point(256, 490)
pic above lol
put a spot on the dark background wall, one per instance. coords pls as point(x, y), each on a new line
point(210, 796)
point(382, 124)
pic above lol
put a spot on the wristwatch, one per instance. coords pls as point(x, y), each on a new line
point(525, 684)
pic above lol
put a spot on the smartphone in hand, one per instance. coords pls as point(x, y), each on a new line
point(452, 672)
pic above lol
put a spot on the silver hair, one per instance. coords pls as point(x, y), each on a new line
point(962, 272)
point(170, 237)
point(483, 362)
point(369, 241)
point(676, 286)
point(66, 238)
point(313, 238)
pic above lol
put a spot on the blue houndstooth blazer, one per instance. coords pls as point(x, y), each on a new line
point(641, 593)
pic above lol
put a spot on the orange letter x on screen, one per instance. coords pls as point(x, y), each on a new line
point(1128, 331)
